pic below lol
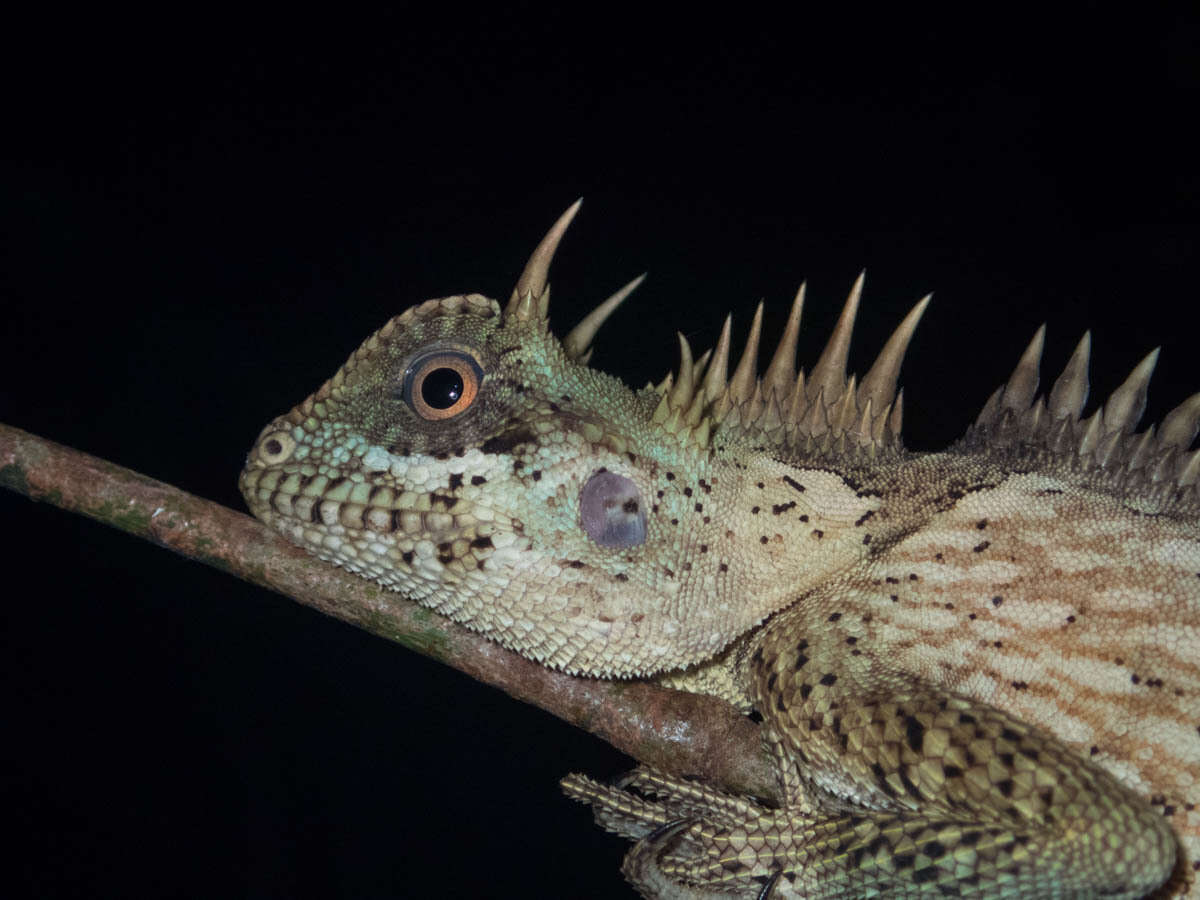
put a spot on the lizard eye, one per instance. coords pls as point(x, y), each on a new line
point(442, 384)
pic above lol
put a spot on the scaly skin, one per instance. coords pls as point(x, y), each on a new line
point(979, 670)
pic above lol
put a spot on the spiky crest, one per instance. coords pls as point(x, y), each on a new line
point(1053, 428)
point(822, 412)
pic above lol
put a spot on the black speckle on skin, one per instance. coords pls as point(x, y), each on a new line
point(484, 543)
point(915, 733)
point(477, 480)
point(818, 533)
point(980, 547)
point(536, 474)
point(723, 567)
point(828, 679)
point(456, 481)
point(861, 520)
point(779, 508)
point(687, 492)
point(407, 556)
point(754, 510)
point(762, 539)
point(997, 600)
point(503, 443)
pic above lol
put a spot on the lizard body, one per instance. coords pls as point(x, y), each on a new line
point(979, 669)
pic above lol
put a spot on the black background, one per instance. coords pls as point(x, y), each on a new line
point(202, 218)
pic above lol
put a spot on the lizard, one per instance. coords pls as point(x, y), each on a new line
point(977, 669)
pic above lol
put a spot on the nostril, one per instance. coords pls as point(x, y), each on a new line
point(610, 510)
point(276, 447)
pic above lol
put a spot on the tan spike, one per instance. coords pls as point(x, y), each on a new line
point(1022, 385)
point(1143, 450)
point(1070, 391)
point(991, 409)
point(862, 426)
point(702, 432)
point(662, 410)
point(845, 410)
point(526, 296)
point(1092, 431)
point(829, 374)
point(896, 417)
point(700, 369)
point(879, 429)
point(1189, 471)
point(753, 407)
point(685, 384)
point(781, 373)
point(815, 421)
point(797, 400)
point(1110, 446)
point(579, 339)
point(744, 380)
point(1168, 468)
point(1127, 403)
point(1181, 424)
point(695, 410)
point(714, 379)
point(771, 416)
point(879, 384)
point(665, 385)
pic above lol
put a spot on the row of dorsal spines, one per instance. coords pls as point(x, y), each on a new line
point(823, 411)
point(819, 411)
point(1157, 457)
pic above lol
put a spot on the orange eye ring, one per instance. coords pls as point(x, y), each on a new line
point(442, 384)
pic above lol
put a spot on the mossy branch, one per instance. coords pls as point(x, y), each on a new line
point(679, 732)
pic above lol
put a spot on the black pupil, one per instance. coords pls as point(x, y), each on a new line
point(442, 388)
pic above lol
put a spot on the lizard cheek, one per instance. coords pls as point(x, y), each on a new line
point(610, 510)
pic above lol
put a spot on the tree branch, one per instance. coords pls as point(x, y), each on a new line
point(680, 732)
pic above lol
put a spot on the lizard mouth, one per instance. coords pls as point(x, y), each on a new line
point(369, 527)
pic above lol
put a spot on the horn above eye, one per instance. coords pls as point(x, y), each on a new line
point(442, 384)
